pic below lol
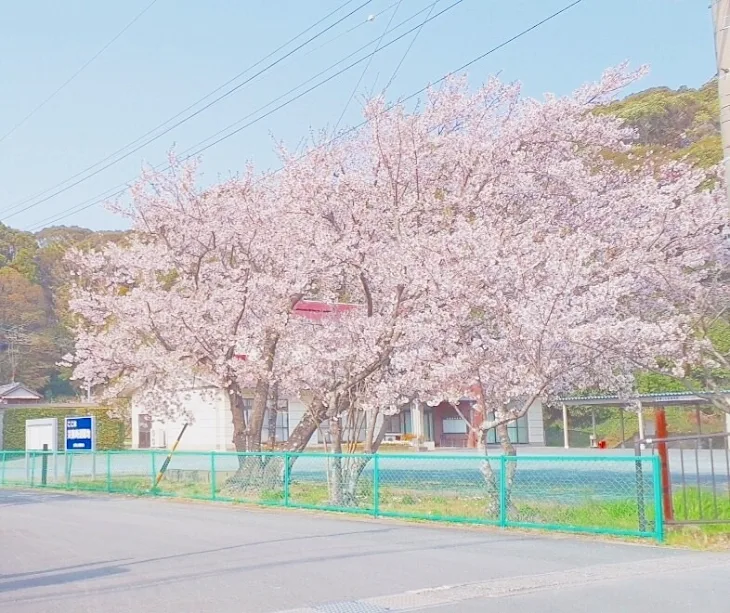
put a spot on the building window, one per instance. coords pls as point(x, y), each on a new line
point(393, 424)
point(400, 423)
point(280, 429)
point(454, 425)
point(517, 430)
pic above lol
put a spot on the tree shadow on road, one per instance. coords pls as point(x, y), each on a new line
point(45, 580)
point(14, 498)
point(177, 576)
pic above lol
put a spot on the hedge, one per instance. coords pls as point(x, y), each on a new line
point(109, 431)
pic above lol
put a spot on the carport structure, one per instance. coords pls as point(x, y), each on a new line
point(640, 402)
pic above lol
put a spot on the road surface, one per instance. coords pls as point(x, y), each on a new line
point(61, 552)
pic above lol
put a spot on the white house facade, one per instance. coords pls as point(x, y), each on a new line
point(211, 423)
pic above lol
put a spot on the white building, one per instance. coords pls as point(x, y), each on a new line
point(212, 423)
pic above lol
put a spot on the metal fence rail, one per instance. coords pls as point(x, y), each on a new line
point(617, 495)
point(695, 477)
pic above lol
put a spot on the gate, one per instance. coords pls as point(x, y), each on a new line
point(695, 476)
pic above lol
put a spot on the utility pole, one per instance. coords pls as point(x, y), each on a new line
point(721, 20)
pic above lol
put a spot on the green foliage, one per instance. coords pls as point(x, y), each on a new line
point(719, 335)
point(673, 124)
point(653, 383)
point(35, 329)
point(17, 251)
point(109, 432)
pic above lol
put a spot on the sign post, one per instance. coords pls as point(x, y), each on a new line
point(80, 435)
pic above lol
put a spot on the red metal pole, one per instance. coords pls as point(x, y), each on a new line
point(662, 433)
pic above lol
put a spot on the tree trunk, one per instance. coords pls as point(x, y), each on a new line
point(345, 472)
point(256, 417)
point(490, 480)
point(239, 418)
point(334, 465)
point(273, 417)
point(508, 449)
point(356, 465)
point(306, 428)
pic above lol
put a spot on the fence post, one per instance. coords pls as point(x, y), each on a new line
point(287, 478)
point(32, 468)
point(658, 502)
point(503, 491)
point(640, 487)
point(376, 486)
point(108, 471)
point(153, 474)
point(44, 465)
point(2, 469)
point(212, 476)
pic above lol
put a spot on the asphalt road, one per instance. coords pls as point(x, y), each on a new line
point(61, 553)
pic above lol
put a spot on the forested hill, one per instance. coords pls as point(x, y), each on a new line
point(675, 124)
point(34, 332)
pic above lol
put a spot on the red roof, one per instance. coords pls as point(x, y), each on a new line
point(315, 311)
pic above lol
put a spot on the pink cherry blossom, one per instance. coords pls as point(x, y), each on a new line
point(487, 242)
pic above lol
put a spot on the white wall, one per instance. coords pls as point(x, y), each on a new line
point(535, 424)
point(212, 426)
point(212, 420)
point(206, 432)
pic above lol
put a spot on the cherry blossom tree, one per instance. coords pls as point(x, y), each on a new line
point(548, 267)
point(489, 244)
point(575, 272)
point(205, 288)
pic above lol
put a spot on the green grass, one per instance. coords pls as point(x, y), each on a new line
point(473, 506)
point(700, 504)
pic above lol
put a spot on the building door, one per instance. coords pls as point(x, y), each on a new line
point(144, 426)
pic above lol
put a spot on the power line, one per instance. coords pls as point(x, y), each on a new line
point(410, 46)
point(122, 187)
point(311, 79)
point(185, 119)
point(367, 66)
point(323, 81)
point(353, 28)
point(287, 102)
point(151, 131)
point(461, 68)
point(79, 71)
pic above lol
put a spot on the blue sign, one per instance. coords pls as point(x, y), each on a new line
point(80, 434)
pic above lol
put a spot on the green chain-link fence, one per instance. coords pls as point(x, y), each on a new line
point(617, 495)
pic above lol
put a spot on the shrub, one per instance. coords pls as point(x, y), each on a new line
point(109, 431)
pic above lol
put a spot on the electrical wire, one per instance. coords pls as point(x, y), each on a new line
point(410, 46)
point(367, 66)
point(353, 28)
point(287, 102)
point(78, 72)
point(189, 152)
point(47, 196)
point(461, 68)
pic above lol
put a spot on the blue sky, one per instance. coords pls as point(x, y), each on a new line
point(182, 49)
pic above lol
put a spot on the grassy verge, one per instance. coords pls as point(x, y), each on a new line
point(470, 506)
